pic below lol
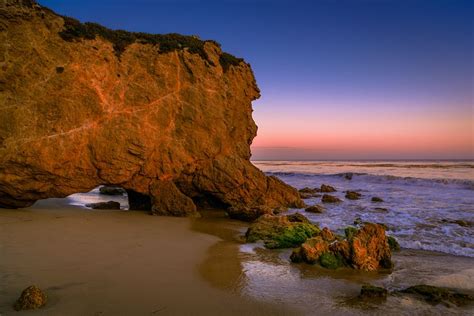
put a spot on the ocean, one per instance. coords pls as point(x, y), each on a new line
point(424, 201)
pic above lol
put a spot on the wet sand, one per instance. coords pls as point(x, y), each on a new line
point(111, 263)
point(130, 263)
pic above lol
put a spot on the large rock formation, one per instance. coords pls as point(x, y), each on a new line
point(167, 117)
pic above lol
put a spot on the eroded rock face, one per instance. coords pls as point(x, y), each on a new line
point(168, 118)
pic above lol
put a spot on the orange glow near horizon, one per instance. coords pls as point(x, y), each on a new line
point(362, 132)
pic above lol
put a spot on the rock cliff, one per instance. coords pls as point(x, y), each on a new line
point(166, 117)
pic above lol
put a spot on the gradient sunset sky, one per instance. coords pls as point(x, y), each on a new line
point(340, 79)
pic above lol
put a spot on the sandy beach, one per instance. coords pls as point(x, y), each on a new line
point(111, 263)
point(93, 262)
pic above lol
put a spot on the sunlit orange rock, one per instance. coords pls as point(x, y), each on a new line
point(173, 126)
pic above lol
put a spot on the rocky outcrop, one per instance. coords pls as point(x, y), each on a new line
point(166, 117)
point(363, 249)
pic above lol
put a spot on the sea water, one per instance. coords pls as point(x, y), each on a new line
point(422, 199)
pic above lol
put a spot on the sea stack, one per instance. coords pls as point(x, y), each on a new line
point(166, 117)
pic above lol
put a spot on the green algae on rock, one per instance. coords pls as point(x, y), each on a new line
point(364, 249)
point(280, 231)
point(393, 243)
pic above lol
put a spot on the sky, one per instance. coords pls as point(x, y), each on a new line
point(340, 79)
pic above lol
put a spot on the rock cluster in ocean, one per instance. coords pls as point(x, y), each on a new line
point(166, 117)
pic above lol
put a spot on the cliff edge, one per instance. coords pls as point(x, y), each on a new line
point(167, 117)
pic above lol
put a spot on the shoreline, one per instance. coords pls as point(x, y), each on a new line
point(110, 263)
point(93, 262)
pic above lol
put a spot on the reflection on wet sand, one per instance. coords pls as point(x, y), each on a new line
point(268, 276)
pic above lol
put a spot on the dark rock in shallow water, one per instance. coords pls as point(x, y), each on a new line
point(109, 190)
point(460, 222)
point(315, 209)
point(436, 295)
point(352, 195)
point(31, 298)
point(280, 232)
point(380, 209)
point(376, 199)
point(307, 193)
point(370, 292)
point(348, 176)
point(327, 198)
point(110, 205)
point(327, 188)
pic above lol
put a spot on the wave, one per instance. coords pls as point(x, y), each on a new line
point(462, 183)
point(444, 165)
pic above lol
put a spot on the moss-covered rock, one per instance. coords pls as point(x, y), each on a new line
point(436, 295)
point(393, 243)
point(349, 232)
point(280, 232)
point(330, 260)
point(364, 249)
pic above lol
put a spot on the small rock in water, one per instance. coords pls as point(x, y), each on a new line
point(110, 205)
point(352, 195)
point(459, 222)
point(436, 295)
point(111, 190)
point(314, 209)
point(327, 188)
point(369, 292)
point(380, 209)
point(376, 199)
point(307, 193)
point(348, 176)
point(327, 198)
point(31, 298)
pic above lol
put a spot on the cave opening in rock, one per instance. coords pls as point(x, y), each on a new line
point(108, 197)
